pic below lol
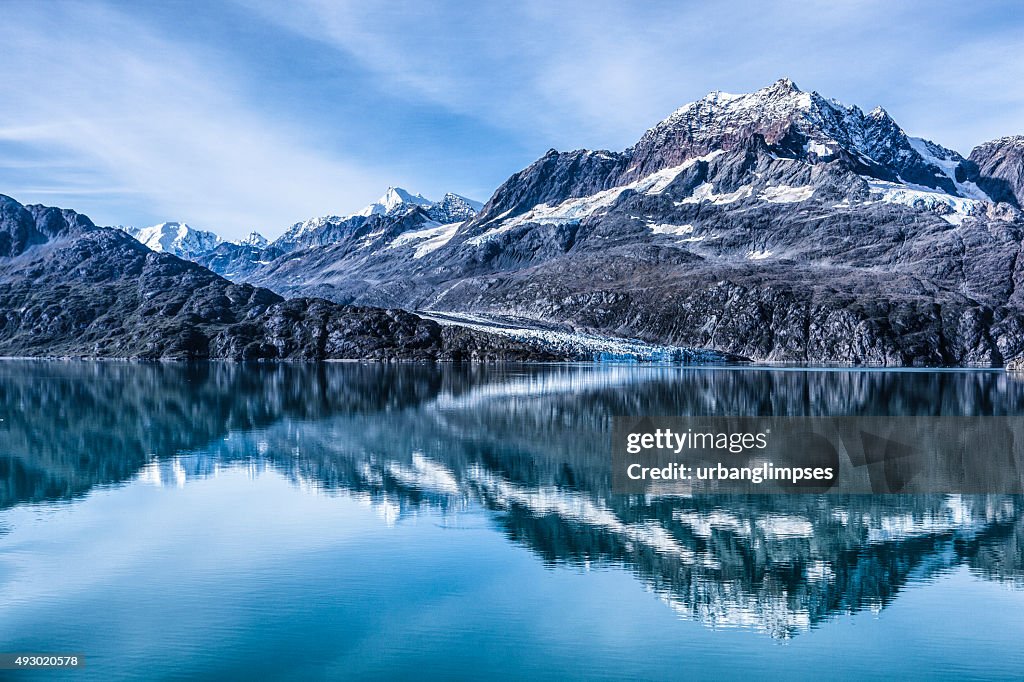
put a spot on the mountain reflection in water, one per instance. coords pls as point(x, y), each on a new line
point(530, 445)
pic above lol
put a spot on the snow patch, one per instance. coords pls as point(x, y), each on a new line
point(578, 208)
point(370, 238)
point(820, 150)
point(785, 194)
point(430, 239)
point(947, 161)
point(664, 228)
point(706, 192)
point(952, 209)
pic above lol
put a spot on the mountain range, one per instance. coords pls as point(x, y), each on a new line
point(71, 289)
point(179, 239)
point(778, 225)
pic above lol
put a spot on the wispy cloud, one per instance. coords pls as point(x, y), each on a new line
point(597, 73)
point(146, 116)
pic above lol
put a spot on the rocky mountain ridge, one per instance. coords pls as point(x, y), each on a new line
point(397, 210)
point(237, 257)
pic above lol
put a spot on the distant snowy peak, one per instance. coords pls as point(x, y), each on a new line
point(451, 207)
point(395, 200)
point(175, 238)
point(454, 208)
point(254, 239)
point(308, 232)
point(397, 211)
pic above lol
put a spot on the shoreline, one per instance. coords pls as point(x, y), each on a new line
point(734, 366)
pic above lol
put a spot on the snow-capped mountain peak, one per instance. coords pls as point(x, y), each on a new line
point(175, 238)
point(395, 208)
point(796, 124)
point(454, 208)
point(252, 239)
point(395, 200)
point(451, 208)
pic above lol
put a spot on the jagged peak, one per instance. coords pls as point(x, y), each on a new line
point(252, 239)
point(169, 226)
point(1005, 141)
point(784, 84)
point(453, 198)
point(393, 200)
point(781, 98)
point(454, 208)
point(176, 237)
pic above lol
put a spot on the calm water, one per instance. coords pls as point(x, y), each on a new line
point(347, 520)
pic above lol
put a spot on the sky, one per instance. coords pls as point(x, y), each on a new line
point(252, 115)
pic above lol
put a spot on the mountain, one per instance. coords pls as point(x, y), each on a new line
point(239, 258)
point(395, 199)
point(316, 231)
point(23, 227)
point(778, 225)
point(803, 125)
point(453, 208)
point(238, 261)
point(70, 288)
point(178, 239)
point(1000, 165)
point(397, 211)
point(792, 124)
point(394, 205)
point(253, 239)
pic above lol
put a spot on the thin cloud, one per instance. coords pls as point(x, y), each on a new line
point(596, 74)
point(149, 117)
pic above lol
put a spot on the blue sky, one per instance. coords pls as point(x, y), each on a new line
point(247, 114)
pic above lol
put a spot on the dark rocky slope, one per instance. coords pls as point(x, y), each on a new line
point(1000, 169)
point(69, 288)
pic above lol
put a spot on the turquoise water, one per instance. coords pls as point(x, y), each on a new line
point(380, 521)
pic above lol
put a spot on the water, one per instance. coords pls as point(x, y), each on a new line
point(345, 520)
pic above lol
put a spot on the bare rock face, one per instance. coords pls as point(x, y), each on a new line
point(22, 227)
point(1000, 169)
